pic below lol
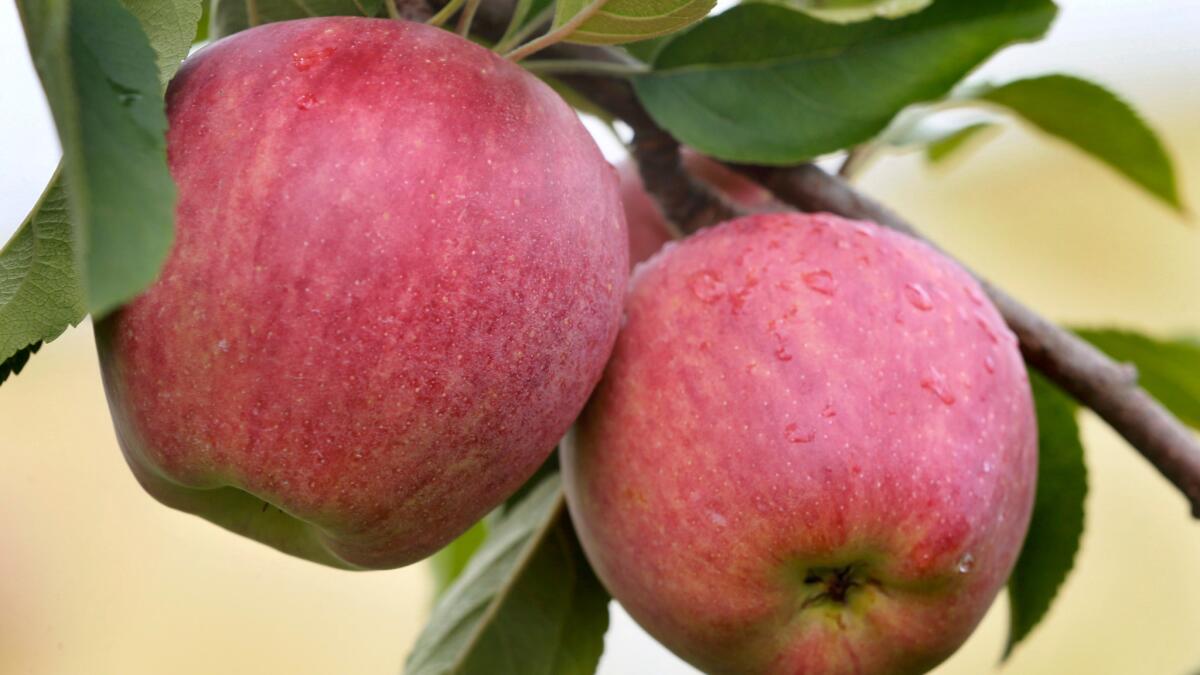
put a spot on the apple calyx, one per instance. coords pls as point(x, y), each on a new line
point(834, 585)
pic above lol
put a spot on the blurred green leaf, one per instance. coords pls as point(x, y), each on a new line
point(1097, 122)
point(449, 562)
point(846, 11)
point(644, 50)
point(621, 21)
point(940, 149)
point(40, 294)
point(100, 77)
point(922, 126)
point(802, 87)
point(205, 20)
point(231, 16)
point(1168, 369)
point(170, 26)
point(1056, 526)
point(526, 603)
point(524, 12)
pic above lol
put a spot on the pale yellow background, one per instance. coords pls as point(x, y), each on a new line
point(95, 577)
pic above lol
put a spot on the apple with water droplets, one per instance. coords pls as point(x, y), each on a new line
point(397, 275)
point(812, 452)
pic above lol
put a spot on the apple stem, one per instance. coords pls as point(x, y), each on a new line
point(252, 17)
point(516, 33)
point(557, 35)
point(856, 160)
point(392, 10)
point(445, 13)
point(468, 16)
point(574, 67)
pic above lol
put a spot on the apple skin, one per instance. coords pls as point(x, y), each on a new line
point(649, 228)
point(813, 451)
point(398, 273)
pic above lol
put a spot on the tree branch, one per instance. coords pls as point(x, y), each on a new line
point(409, 10)
point(687, 203)
point(1093, 379)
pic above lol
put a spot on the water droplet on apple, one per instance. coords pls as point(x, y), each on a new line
point(989, 364)
point(738, 298)
point(986, 325)
point(987, 467)
point(707, 286)
point(829, 411)
point(935, 382)
point(307, 58)
point(966, 563)
point(797, 435)
point(307, 102)
point(918, 297)
point(820, 281)
point(782, 353)
point(974, 295)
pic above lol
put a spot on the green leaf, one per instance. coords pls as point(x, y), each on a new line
point(449, 562)
point(231, 16)
point(524, 12)
point(922, 126)
point(40, 295)
point(801, 88)
point(102, 84)
point(1168, 369)
point(940, 149)
point(1057, 522)
point(527, 603)
point(170, 26)
point(1097, 122)
point(645, 50)
point(620, 21)
point(847, 11)
point(205, 21)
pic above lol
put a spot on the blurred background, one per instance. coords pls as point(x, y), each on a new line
point(96, 577)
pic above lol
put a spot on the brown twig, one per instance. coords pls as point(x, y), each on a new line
point(409, 10)
point(1096, 381)
point(851, 163)
point(686, 202)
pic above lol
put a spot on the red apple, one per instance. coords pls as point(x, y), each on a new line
point(813, 451)
point(649, 228)
point(398, 273)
